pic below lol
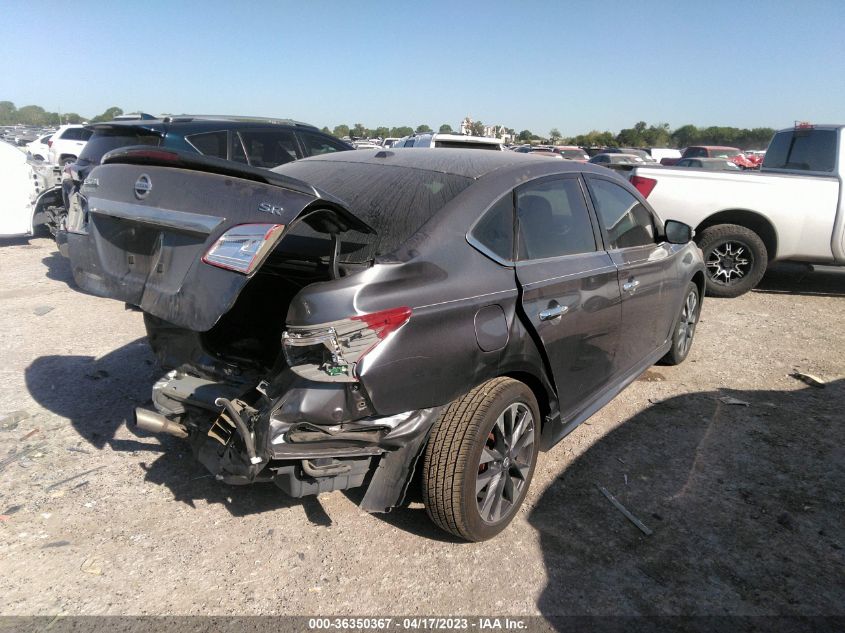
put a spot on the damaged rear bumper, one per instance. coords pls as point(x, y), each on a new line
point(306, 440)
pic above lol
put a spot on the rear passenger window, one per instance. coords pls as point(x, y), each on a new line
point(627, 222)
point(316, 144)
point(553, 220)
point(210, 143)
point(269, 148)
point(495, 229)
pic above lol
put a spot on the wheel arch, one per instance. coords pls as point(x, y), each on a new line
point(544, 398)
point(700, 281)
point(751, 220)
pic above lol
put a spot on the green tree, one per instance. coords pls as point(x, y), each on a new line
point(8, 113)
point(381, 132)
point(554, 135)
point(358, 130)
point(423, 129)
point(108, 115)
point(525, 136)
point(33, 115)
point(325, 130)
point(401, 131)
point(72, 117)
point(477, 128)
point(685, 136)
point(341, 130)
point(446, 129)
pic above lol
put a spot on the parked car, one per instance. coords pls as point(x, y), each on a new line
point(67, 143)
point(453, 141)
point(732, 154)
point(39, 148)
point(389, 141)
point(18, 189)
point(350, 319)
point(793, 209)
point(659, 153)
point(617, 162)
point(643, 155)
point(257, 142)
point(571, 152)
point(713, 164)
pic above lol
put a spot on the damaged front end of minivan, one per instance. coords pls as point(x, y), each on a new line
point(262, 386)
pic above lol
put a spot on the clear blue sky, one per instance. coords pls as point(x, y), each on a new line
point(572, 65)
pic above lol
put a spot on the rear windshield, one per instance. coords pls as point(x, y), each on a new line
point(394, 201)
point(466, 145)
point(105, 140)
point(806, 150)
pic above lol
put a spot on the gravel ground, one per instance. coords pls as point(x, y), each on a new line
point(745, 502)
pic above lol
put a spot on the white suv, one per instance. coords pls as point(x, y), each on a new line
point(459, 141)
point(67, 143)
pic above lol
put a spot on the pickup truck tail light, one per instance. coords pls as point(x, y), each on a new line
point(331, 352)
point(244, 247)
point(644, 185)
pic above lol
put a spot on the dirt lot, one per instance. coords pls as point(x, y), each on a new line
point(745, 502)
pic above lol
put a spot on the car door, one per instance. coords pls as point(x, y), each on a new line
point(569, 287)
point(645, 269)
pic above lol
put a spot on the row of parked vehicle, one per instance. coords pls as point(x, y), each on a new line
point(400, 319)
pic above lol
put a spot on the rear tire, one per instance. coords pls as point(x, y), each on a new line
point(480, 459)
point(735, 259)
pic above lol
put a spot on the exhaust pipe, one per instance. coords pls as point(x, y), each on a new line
point(155, 423)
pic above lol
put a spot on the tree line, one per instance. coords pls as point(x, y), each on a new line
point(37, 116)
point(640, 135)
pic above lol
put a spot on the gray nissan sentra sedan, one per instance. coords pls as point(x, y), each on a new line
point(387, 319)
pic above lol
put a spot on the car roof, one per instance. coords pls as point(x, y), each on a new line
point(470, 163)
point(201, 122)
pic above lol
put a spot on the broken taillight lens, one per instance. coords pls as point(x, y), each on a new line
point(244, 247)
point(331, 352)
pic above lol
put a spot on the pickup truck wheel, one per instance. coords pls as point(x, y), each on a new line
point(480, 459)
point(735, 257)
point(684, 332)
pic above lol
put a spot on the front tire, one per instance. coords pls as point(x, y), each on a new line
point(735, 258)
point(685, 324)
point(480, 459)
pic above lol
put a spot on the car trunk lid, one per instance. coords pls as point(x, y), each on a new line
point(150, 216)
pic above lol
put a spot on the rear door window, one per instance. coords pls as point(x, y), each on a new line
point(553, 220)
point(210, 143)
point(269, 148)
point(76, 134)
point(806, 150)
point(627, 221)
point(316, 144)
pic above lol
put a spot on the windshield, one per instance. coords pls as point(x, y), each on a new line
point(394, 201)
point(572, 153)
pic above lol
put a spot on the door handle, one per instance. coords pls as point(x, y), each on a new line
point(630, 286)
point(553, 312)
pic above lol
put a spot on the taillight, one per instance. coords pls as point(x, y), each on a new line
point(331, 352)
point(644, 185)
point(244, 247)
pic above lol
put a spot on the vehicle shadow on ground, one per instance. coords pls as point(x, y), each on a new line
point(98, 396)
point(744, 502)
point(800, 280)
point(58, 269)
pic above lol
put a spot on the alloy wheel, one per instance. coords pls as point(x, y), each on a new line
point(687, 323)
point(505, 463)
point(729, 262)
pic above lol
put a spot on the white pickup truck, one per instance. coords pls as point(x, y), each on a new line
point(792, 209)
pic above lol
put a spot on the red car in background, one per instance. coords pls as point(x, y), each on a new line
point(732, 154)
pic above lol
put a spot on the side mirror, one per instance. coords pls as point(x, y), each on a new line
point(677, 232)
